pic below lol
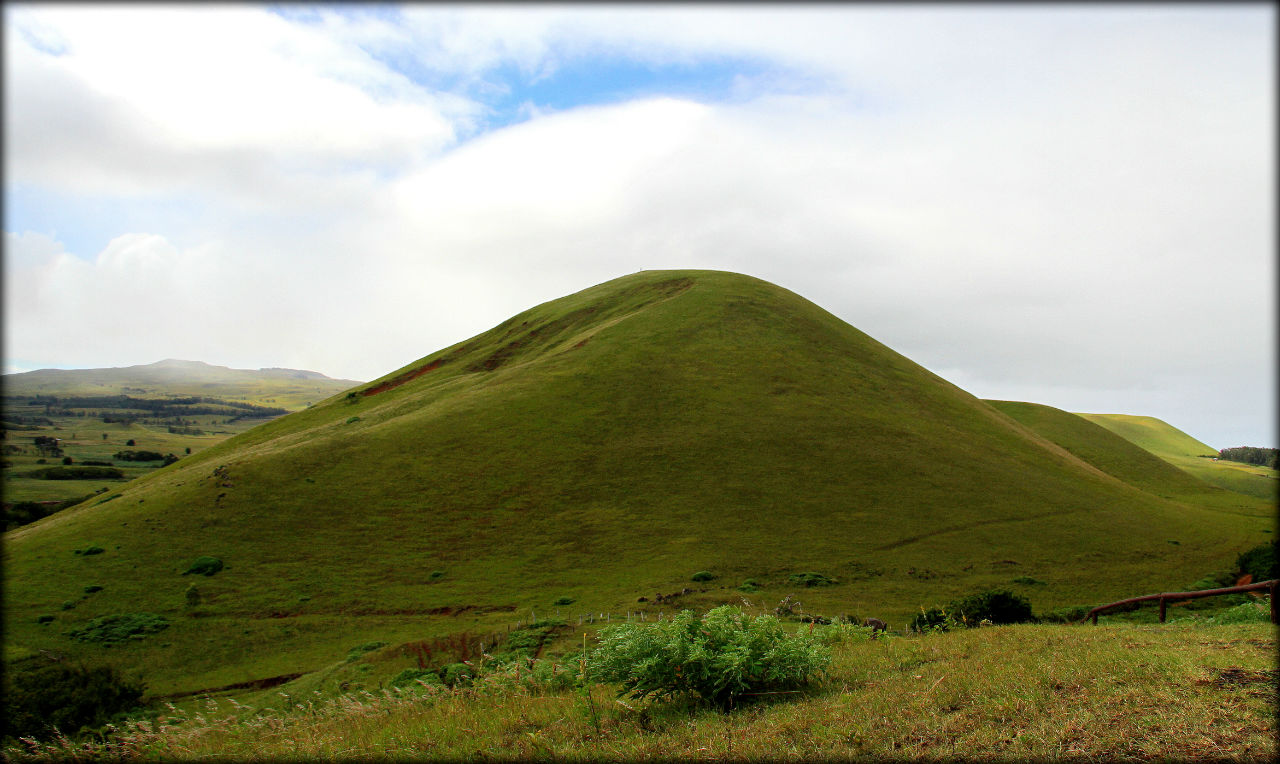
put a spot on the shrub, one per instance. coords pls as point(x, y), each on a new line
point(436, 575)
point(412, 675)
point(1261, 562)
point(998, 606)
point(811, 579)
point(91, 588)
point(1068, 614)
point(703, 575)
point(65, 698)
point(44, 619)
point(717, 658)
point(354, 653)
point(1028, 580)
point(110, 629)
point(204, 566)
point(933, 619)
point(750, 586)
point(564, 601)
point(457, 674)
point(91, 549)
point(1219, 580)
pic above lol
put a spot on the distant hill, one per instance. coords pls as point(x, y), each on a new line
point(601, 448)
point(1190, 455)
point(288, 388)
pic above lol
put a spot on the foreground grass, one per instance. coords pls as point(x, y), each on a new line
point(1182, 691)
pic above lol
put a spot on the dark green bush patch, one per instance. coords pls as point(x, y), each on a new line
point(457, 674)
point(750, 586)
point(205, 566)
point(111, 629)
point(811, 579)
point(1028, 580)
point(91, 588)
point(564, 601)
point(76, 473)
point(703, 575)
point(436, 575)
point(411, 676)
point(1262, 562)
point(359, 650)
point(91, 549)
point(68, 605)
point(42, 700)
point(45, 619)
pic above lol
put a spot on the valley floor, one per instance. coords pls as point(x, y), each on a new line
point(1183, 691)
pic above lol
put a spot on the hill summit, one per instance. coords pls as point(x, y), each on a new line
point(602, 447)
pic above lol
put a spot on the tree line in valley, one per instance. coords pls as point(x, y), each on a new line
point(1264, 457)
point(156, 407)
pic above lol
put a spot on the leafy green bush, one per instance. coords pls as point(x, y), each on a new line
point(41, 700)
point(110, 629)
point(411, 676)
point(91, 549)
point(1261, 562)
point(354, 653)
point(1246, 612)
point(999, 606)
point(1028, 580)
point(204, 566)
point(91, 588)
point(138, 456)
point(457, 674)
point(564, 601)
point(436, 575)
point(842, 632)
point(750, 586)
point(811, 579)
point(703, 575)
point(934, 619)
point(717, 658)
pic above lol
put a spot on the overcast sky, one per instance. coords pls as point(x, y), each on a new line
point(1071, 205)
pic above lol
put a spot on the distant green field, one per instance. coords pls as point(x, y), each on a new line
point(1190, 455)
point(604, 447)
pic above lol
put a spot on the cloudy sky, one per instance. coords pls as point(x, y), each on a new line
point(1063, 204)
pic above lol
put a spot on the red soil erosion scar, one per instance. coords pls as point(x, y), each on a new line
point(400, 380)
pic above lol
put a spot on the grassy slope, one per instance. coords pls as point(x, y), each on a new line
point(603, 446)
point(1180, 691)
point(1187, 453)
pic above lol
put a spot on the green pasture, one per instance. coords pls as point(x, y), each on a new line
point(605, 447)
point(1192, 456)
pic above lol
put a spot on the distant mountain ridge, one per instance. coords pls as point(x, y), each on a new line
point(294, 388)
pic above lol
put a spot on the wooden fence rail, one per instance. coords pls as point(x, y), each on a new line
point(1165, 597)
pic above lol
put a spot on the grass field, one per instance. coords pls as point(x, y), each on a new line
point(1183, 691)
point(601, 448)
point(1192, 456)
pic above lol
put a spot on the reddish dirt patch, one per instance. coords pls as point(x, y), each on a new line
point(252, 684)
point(400, 380)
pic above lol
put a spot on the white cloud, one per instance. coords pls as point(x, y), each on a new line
point(1066, 200)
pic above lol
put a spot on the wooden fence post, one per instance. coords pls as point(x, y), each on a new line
point(1274, 617)
point(1162, 610)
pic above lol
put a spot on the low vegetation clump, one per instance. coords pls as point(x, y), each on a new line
point(92, 549)
point(113, 629)
point(1262, 562)
point(76, 473)
point(204, 566)
point(41, 701)
point(717, 659)
point(811, 579)
point(750, 586)
point(993, 607)
point(703, 575)
point(138, 456)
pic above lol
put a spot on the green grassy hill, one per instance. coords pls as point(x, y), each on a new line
point(1190, 455)
point(600, 448)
